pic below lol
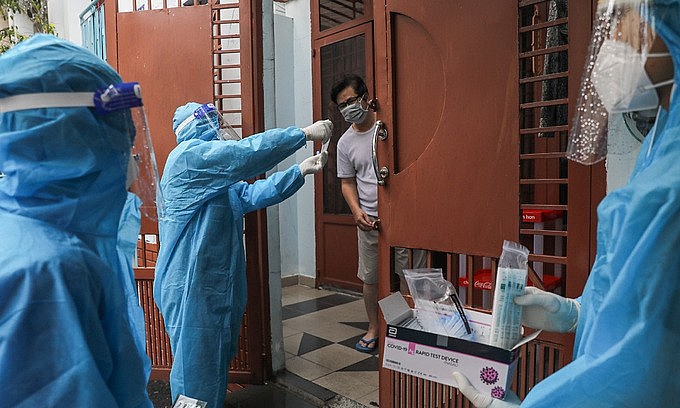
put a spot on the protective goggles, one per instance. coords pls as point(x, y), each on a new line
point(208, 114)
point(615, 80)
point(114, 99)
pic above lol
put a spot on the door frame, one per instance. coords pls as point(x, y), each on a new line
point(322, 219)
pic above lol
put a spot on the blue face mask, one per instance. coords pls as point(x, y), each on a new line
point(354, 113)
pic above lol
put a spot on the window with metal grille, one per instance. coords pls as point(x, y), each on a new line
point(333, 13)
point(543, 102)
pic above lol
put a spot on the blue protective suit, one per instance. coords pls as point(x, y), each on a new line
point(200, 283)
point(128, 233)
point(65, 338)
point(628, 337)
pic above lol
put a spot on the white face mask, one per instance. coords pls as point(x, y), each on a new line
point(621, 81)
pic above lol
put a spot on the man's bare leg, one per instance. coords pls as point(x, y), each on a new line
point(371, 303)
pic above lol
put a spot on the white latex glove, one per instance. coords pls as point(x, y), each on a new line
point(319, 130)
point(313, 164)
point(548, 311)
point(480, 400)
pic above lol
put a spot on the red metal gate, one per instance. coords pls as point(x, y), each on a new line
point(199, 52)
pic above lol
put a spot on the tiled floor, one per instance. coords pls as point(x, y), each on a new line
point(320, 329)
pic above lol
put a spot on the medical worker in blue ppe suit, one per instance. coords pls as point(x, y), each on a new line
point(627, 321)
point(65, 335)
point(200, 281)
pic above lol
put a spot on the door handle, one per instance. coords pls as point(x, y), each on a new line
point(382, 172)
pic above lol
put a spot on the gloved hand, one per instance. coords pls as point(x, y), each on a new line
point(480, 400)
point(319, 130)
point(313, 164)
point(548, 311)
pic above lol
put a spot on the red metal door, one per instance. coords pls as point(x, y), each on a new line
point(342, 38)
point(202, 53)
point(336, 55)
point(465, 155)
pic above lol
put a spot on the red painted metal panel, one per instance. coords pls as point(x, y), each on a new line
point(338, 267)
point(451, 114)
point(168, 53)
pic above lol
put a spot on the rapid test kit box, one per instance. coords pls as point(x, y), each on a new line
point(435, 357)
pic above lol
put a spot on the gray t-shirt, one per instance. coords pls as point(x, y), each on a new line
point(355, 159)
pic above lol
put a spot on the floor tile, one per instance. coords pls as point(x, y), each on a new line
point(369, 364)
point(352, 385)
point(288, 312)
point(306, 369)
point(293, 381)
point(305, 322)
point(313, 305)
point(289, 331)
point(296, 294)
point(310, 342)
point(359, 325)
point(349, 312)
point(333, 331)
point(320, 329)
point(271, 395)
point(335, 356)
point(370, 400)
point(291, 344)
point(355, 311)
point(338, 299)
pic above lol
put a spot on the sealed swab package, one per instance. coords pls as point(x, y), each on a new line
point(511, 278)
point(438, 309)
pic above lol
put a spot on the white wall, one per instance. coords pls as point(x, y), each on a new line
point(299, 238)
point(294, 218)
point(64, 14)
point(287, 91)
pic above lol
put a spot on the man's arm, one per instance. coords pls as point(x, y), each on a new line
point(349, 191)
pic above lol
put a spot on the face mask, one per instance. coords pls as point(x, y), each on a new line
point(354, 113)
point(621, 81)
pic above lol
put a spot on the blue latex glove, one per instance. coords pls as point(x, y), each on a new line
point(480, 400)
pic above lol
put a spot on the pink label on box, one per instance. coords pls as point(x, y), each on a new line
point(411, 348)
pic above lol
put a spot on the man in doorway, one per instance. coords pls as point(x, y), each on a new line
point(360, 190)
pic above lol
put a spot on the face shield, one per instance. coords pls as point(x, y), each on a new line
point(208, 114)
point(614, 79)
point(122, 99)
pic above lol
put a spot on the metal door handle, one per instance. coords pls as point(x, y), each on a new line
point(379, 132)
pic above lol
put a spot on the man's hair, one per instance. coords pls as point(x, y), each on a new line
point(354, 81)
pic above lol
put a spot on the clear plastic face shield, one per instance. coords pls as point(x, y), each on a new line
point(208, 114)
point(614, 79)
point(119, 99)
